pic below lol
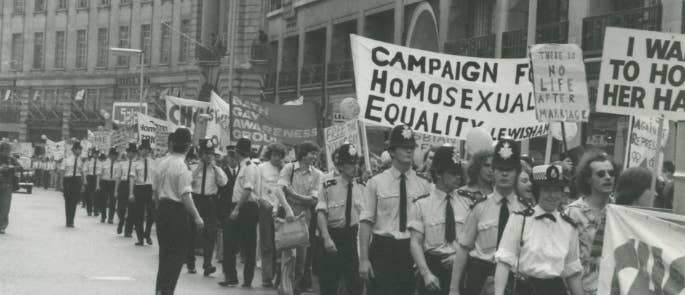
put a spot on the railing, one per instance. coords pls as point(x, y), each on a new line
point(645, 18)
point(312, 74)
point(481, 46)
point(44, 113)
point(79, 113)
point(287, 78)
point(9, 111)
point(340, 71)
point(514, 44)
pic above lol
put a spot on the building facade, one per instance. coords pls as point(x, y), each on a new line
point(52, 49)
point(310, 50)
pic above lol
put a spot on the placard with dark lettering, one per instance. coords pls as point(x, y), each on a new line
point(642, 73)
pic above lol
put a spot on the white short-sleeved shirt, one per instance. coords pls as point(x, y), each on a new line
point(268, 183)
point(109, 170)
point(173, 178)
point(68, 166)
point(248, 178)
point(550, 247)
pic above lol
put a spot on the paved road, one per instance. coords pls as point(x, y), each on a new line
point(39, 255)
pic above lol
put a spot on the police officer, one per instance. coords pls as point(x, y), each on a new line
point(484, 226)
point(435, 220)
point(74, 179)
point(207, 178)
point(107, 178)
point(541, 243)
point(92, 167)
point(386, 261)
point(122, 188)
point(338, 213)
point(140, 194)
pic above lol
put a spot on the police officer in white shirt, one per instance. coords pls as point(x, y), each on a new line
point(74, 180)
point(92, 169)
point(172, 190)
point(122, 189)
point(140, 193)
point(105, 184)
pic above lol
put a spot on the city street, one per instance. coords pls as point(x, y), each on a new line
point(41, 256)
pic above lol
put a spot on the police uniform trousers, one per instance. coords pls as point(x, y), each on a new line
point(5, 200)
point(108, 200)
point(343, 264)
point(38, 176)
point(267, 244)
point(206, 207)
point(173, 232)
point(392, 265)
point(123, 206)
point(72, 193)
point(440, 270)
point(46, 179)
point(142, 211)
point(241, 234)
point(89, 195)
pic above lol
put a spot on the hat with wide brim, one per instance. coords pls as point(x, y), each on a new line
point(244, 146)
point(346, 154)
point(447, 159)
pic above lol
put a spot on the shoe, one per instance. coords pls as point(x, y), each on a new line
point(2, 231)
point(119, 230)
point(139, 243)
point(96, 214)
point(267, 284)
point(70, 225)
point(209, 270)
point(128, 236)
point(110, 221)
point(90, 214)
point(192, 270)
point(229, 282)
point(148, 240)
point(246, 285)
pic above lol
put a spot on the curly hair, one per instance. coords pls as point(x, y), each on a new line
point(584, 171)
point(477, 161)
point(274, 149)
point(305, 148)
point(631, 184)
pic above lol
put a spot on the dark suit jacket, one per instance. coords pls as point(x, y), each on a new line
point(226, 194)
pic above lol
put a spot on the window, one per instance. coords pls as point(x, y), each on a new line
point(61, 4)
point(165, 46)
point(38, 50)
point(82, 3)
point(275, 4)
point(18, 6)
point(103, 48)
point(60, 44)
point(124, 2)
point(124, 42)
point(146, 42)
point(81, 49)
point(184, 48)
point(17, 52)
point(104, 2)
point(39, 6)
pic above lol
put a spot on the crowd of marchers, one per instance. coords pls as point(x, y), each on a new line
point(493, 224)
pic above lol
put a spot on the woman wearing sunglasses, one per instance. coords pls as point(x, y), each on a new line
point(539, 253)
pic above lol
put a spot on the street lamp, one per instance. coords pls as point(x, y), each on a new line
point(132, 51)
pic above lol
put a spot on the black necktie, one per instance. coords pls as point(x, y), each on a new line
point(145, 173)
point(348, 205)
point(204, 177)
point(450, 226)
point(75, 162)
point(403, 202)
point(546, 215)
point(111, 169)
point(95, 165)
point(129, 169)
point(503, 218)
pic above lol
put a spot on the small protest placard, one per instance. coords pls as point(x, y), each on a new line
point(337, 135)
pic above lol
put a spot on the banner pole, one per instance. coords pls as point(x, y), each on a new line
point(563, 137)
point(626, 158)
point(548, 148)
point(679, 175)
point(659, 135)
point(365, 142)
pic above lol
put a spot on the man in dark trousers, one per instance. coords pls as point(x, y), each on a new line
point(172, 192)
point(92, 167)
point(74, 179)
point(243, 219)
point(140, 194)
point(231, 169)
point(122, 186)
point(106, 180)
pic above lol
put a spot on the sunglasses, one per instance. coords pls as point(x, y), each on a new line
point(603, 173)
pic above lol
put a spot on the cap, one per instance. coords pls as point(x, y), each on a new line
point(132, 148)
point(346, 154)
point(206, 146)
point(92, 152)
point(243, 146)
point(401, 136)
point(507, 155)
point(113, 151)
point(181, 137)
point(548, 175)
point(145, 144)
point(446, 158)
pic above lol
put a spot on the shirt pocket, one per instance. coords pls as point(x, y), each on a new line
point(388, 205)
point(434, 233)
point(487, 236)
point(336, 211)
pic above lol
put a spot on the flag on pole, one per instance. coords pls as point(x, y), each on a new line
point(7, 94)
point(80, 94)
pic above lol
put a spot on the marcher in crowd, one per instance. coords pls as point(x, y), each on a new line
point(122, 186)
point(540, 244)
point(634, 187)
point(8, 166)
point(664, 187)
point(230, 166)
point(140, 194)
point(172, 191)
point(475, 258)
point(242, 227)
point(385, 260)
point(38, 173)
point(74, 181)
point(479, 172)
point(105, 184)
point(92, 170)
point(434, 222)
point(207, 178)
point(269, 173)
point(524, 186)
point(595, 178)
point(338, 211)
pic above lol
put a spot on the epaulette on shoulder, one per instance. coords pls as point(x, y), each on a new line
point(525, 201)
point(361, 181)
point(329, 183)
point(475, 200)
point(420, 197)
point(526, 212)
point(567, 218)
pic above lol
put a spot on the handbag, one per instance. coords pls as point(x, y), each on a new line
point(291, 234)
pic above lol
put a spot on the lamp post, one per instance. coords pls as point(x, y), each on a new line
point(131, 51)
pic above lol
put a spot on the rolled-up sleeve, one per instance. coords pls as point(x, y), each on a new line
point(183, 182)
point(508, 248)
point(286, 173)
point(467, 237)
point(415, 218)
point(572, 262)
point(369, 202)
point(322, 203)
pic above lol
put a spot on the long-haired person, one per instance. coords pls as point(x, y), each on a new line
point(634, 188)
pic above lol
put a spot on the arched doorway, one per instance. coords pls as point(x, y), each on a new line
point(422, 32)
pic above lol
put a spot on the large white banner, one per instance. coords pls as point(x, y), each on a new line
point(643, 253)
point(339, 134)
point(445, 95)
point(184, 112)
point(642, 73)
point(560, 84)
